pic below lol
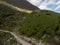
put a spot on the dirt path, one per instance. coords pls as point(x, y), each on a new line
point(23, 39)
point(18, 38)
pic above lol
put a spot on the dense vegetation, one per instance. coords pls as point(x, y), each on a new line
point(43, 25)
point(9, 18)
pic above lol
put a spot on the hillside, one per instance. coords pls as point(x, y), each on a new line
point(44, 25)
point(9, 20)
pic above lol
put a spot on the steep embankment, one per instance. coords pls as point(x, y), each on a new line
point(22, 4)
point(15, 7)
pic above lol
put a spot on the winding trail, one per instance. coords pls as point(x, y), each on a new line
point(23, 39)
point(18, 39)
point(16, 8)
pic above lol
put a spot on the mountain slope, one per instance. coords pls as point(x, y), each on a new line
point(22, 4)
point(36, 24)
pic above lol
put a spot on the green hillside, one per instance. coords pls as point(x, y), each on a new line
point(44, 25)
point(9, 20)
